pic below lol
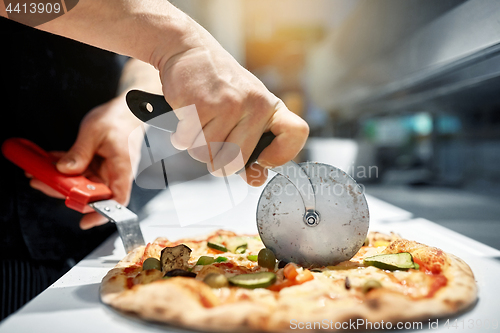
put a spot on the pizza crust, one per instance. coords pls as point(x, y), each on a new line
point(190, 303)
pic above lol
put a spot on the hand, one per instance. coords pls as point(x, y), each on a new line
point(101, 153)
point(232, 106)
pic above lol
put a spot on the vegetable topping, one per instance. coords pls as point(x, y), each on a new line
point(370, 285)
point(176, 257)
point(253, 257)
point(393, 261)
point(216, 280)
point(217, 247)
point(267, 259)
point(151, 263)
point(180, 272)
point(253, 280)
point(205, 260)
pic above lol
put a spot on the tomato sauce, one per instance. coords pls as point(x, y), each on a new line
point(130, 282)
point(144, 256)
point(130, 269)
point(439, 282)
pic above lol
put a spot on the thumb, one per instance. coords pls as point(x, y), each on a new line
point(78, 158)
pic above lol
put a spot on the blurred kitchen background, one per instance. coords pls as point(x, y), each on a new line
point(404, 95)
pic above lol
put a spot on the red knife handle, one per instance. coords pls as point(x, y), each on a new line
point(78, 190)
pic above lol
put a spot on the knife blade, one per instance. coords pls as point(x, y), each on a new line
point(81, 194)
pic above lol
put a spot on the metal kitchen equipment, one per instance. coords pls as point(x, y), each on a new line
point(81, 194)
point(312, 214)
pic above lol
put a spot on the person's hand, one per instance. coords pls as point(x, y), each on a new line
point(232, 105)
point(101, 153)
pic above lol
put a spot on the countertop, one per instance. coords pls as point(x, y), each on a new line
point(72, 303)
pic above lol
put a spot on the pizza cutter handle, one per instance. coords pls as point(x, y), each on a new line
point(265, 140)
point(147, 106)
point(78, 190)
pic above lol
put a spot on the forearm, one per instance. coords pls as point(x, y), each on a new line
point(149, 30)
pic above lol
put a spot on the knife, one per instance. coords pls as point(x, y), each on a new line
point(81, 194)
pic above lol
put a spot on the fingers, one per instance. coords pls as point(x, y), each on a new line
point(57, 154)
point(255, 175)
point(238, 147)
point(46, 189)
point(77, 159)
point(228, 160)
point(120, 178)
point(188, 128)
point(205, 151)
point(88, 221)
point(92, 220)
point(291, 134)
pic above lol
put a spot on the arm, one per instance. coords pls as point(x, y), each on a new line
point(99, 151)
point(232, 104)
point(133, 28)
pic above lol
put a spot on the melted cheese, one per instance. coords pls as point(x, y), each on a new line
point(327, 286)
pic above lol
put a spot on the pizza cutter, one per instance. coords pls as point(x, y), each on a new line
point(81, 194)
point(312, 214)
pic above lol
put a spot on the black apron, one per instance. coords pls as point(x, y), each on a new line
point(48, 83)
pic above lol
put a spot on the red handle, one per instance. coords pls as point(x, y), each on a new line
point(78, 190)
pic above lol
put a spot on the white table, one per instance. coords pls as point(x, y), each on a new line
point(72, 303)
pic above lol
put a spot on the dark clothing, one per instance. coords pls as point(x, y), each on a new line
point(48, 83)
point(24, 279)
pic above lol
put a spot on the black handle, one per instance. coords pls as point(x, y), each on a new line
point(146, 106)
point(265, 140)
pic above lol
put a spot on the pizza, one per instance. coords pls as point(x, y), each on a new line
point(227, 282)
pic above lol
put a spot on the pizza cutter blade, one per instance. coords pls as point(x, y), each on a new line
point(331, 232)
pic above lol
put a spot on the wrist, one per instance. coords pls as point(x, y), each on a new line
point(183, 34)
point(160, 32)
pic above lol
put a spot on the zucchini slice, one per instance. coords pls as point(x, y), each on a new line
point(393, 261)
point(205, 260)
point(237, 245)
point(253, 280)
point(217, 247)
